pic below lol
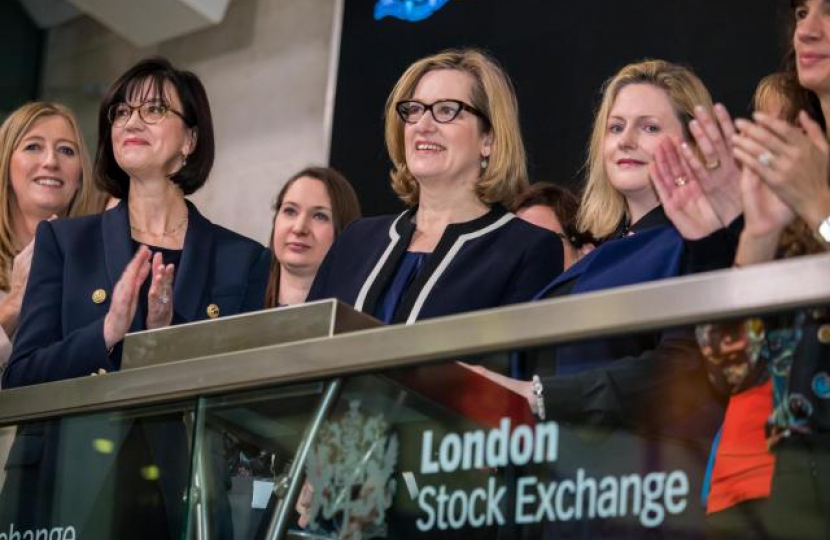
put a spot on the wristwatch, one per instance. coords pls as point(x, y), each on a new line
point(823, 231)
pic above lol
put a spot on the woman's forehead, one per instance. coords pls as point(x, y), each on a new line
point(150, 89)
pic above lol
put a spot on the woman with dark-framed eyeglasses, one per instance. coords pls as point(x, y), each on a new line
point(150, 262)
point(452, 133)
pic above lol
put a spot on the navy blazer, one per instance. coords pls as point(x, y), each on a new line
point(495, 260)
point(653, 379)
point(61, 328)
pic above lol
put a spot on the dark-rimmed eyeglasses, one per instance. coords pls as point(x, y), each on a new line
point(443, 111)
point(150, 112)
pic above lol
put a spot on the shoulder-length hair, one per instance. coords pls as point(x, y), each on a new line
point(603, 207)
point(87, 199)
point(345, 208)
point(155, 76)
point(492, 94)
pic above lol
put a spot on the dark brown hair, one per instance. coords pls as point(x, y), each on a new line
point(158, 72)
point(798, 239)
point(563, 203)
point(345, 208)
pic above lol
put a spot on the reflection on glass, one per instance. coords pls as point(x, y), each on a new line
point(99, 476)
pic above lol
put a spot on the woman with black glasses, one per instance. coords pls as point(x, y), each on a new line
point(452, 133)
point(150, 262)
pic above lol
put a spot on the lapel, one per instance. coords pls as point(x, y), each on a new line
point(195, 265)
point(649, 255)
point(400, 236)
point(118, 251)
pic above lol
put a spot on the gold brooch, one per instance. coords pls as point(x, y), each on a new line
point(99, 296)
point(213, 311)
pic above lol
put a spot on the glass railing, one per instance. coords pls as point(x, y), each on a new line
point(398, 432)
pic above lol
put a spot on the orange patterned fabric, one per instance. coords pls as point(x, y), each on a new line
point(743, 465)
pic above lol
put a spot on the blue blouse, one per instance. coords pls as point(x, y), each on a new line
point(408, 268)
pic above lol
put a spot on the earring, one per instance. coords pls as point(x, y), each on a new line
point(184, 160)
point(485, 162)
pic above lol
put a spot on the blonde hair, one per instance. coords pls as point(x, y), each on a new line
point(85, 201)
point(492, 94)
point(797, 238)
point(603, 207)
point(771, 88)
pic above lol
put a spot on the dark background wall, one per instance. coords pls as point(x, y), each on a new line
point(557, 53)
point(21, 44)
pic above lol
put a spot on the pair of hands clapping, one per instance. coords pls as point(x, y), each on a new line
point(768, 170)
point(126, 293)
point(700, 196)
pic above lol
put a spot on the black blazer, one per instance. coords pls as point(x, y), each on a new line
point(491, 261)
point(61, 328)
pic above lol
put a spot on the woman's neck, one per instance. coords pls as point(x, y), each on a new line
point(294, 287)
point(439, 206)
point(156, 209)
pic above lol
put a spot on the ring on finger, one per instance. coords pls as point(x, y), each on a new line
point(766, 159)
point(163, 298)
point(712, 164)
point(680, 181)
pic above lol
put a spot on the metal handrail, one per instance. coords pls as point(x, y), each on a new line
point(717, 295)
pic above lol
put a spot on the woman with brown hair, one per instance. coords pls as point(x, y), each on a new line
point(312, 208)
point(452, 133)
point(785, 195)
point(152, 261)
point(555, 208)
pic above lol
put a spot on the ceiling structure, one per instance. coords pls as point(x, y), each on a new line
point(141, 23)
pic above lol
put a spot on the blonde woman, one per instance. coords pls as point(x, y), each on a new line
point(452, 133)
point(641, 380)
point(45, 173)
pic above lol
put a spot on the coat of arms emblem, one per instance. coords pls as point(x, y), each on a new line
point(350, 469)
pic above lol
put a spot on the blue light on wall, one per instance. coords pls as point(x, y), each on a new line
point(407, 10)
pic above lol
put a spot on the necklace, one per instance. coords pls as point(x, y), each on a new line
point(168, 232)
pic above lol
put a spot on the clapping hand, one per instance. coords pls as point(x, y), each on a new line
point(699, 197)
point(792, 161)
point(160, 296)
point(125, 297)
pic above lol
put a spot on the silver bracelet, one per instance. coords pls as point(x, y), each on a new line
point(538, 389)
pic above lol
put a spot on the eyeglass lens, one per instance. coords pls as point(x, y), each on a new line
point(442, 111)
point(150, 112)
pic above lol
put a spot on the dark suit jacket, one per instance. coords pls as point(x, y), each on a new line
point(54, 475)
point(491, 261)
point(61, 328)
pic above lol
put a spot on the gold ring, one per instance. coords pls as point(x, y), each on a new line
point(712, 165)
point(680, 181)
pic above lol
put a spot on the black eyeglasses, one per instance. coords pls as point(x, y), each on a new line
point(150, 112)
point(443, 111)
